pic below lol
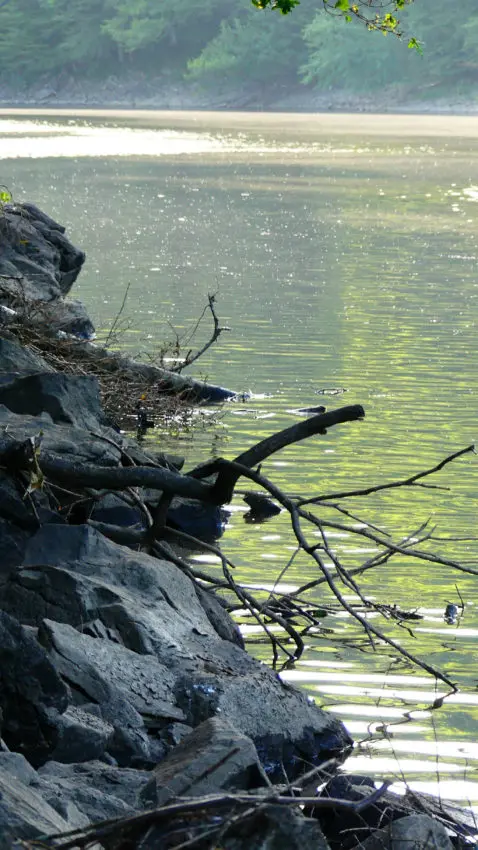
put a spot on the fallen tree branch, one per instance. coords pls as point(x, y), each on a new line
point(80, 475)
point(405, 482)
point(129, 826)
point(216, 333)
point(227, 479)
point(173, 483)
point(296, 514)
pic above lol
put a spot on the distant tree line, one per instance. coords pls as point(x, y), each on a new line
point(230, 40)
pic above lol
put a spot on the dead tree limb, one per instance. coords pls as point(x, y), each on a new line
point(392, 547)
point(13, 455)
point(216, 333)
point(119, 478)
point(227, 478)
point(123, 827)
point(296, 515)
point(300, 431)
point(172, 483)
point(404, 482)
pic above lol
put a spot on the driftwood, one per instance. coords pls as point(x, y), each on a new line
point(215, 811)
point(172, 483)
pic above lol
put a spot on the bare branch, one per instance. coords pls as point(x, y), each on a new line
point(117, 318)
point(216, 333)
point(100, 831)
point(406, 482)
point(296, 515)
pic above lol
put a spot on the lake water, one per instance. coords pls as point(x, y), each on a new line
point(344, 253)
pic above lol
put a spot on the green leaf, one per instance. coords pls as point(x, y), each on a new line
point(390, 21)
point(414, 44)
point(5, 196)
point(283, 6)
point(342, 5)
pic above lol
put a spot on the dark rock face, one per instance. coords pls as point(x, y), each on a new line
point(15, 359)
point(218, 617)
point(82, 736)
point(94, 667)
point(38, 266)
point(213, 755)
point(13, 541)
point(36, 247)
point(159, 647)
point(61, 439)
point(24, 813)
point(32, 693)
point(276, 828)
point(66, 315)
point(70, 399)
point(97, 791)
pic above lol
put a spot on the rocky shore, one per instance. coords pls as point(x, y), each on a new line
point(143, 91)
point(131, 713)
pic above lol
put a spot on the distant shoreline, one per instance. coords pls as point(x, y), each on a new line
point(156, 94)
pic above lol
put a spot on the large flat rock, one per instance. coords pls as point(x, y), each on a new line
point(214, 757)
point(144, 630)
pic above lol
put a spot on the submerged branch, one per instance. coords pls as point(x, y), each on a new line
point(296, 514)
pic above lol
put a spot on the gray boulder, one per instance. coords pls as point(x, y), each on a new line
point(71, 259)
point(66, 315)
point(64, 440)
point(71, 399)
point(109, 720)
point(23, 282)
point(39, 251)
point(82, 736)
point(214, 757)
point(415, 832)
point(36, 796)
point(218, 616)
point(131, 745)
point(15, 358)
point(38, 266)
point(16, 765)
point(98, 791)
point(92, 666)
point(32, 693)
point(24, 813)
point(127, 689)
point(153, 593)
point(152, 622)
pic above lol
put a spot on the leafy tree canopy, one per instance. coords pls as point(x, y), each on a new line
point(375, 14)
